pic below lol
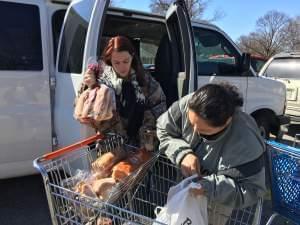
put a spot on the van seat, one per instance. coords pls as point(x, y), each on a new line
point(163, 70)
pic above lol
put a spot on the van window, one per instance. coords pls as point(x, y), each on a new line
point(148, 52)
point(74, 36)
point(20, 37)
point(57, 21)
point(284, 68)
point(145, 35)
point(215, 55)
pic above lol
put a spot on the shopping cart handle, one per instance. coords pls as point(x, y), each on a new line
point(72, 147)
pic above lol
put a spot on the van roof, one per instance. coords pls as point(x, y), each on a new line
point(129, 12)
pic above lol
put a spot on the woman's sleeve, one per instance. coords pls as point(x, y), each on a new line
point(170, 135)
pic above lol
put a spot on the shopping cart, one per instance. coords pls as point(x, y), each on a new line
point(135, 206)
point(63, 169)
point(285, 181)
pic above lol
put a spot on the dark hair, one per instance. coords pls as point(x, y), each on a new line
point(119, 44)
point(215, 103)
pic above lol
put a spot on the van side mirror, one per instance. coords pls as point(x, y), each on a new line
point(245, 62)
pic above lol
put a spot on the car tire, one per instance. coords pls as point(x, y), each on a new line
point(264, 126)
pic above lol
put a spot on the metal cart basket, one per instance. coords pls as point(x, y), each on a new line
point(285, 181)
point(135, 206)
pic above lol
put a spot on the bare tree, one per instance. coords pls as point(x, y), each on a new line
point(249, 43)
point(292, 37)
point(270, 36)
point(196, 8)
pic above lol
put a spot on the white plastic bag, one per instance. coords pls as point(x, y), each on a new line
point(162, 217)
point(182, 207)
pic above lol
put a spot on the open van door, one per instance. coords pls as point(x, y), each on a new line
point(75, 48)
point(183, 50)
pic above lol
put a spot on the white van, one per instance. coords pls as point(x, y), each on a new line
point(37, 88)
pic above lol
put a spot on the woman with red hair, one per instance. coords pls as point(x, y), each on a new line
point(140, 99)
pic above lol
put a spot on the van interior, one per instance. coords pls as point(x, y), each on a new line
point(152, 45)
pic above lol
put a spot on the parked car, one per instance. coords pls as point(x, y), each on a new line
point(45, 46)
point(285, 67)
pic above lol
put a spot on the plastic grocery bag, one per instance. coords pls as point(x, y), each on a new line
point(182, 207)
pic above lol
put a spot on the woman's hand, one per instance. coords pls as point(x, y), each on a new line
point(190, 165)
point(197, 191)
point(93, 72)
point(89, 78)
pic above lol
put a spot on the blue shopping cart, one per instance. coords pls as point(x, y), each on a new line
point(285, 181)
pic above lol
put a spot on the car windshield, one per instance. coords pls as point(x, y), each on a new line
point(284, 68)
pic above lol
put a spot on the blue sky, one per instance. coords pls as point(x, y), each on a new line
point(240, 15)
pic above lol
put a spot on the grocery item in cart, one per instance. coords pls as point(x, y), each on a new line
point(85, 189)
point(100, 188)
point(124, 168)
point(104, 221)
point(103, 165)
point(110, 174)
point(103, 187)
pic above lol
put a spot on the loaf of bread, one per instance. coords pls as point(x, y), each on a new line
point(103, 165)
point(126, 167)
point(122, 170)
point(85, 189)
point(103, 187)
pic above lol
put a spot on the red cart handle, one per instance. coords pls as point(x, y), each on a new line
point(72, 147)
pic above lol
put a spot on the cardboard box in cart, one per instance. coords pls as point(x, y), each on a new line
point(45, 46)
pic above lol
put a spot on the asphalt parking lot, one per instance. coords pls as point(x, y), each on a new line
point(23, 200)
